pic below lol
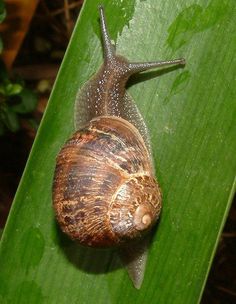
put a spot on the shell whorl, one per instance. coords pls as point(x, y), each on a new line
point(104, 191)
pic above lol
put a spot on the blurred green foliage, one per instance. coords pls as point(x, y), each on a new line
point(2, 17)
point(16, 100)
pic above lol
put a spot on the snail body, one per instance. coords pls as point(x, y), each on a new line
point(105, 193)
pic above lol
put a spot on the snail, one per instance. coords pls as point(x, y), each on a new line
point(105, 193)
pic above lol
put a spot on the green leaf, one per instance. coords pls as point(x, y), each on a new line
point(190, 114)
point(9, 118)
point(13, 89)
point(28, 101)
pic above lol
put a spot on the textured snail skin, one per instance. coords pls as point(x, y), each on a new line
point(104, 192)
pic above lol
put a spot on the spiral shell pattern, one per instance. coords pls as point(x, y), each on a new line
point(104, 191)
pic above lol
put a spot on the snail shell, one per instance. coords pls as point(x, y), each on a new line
point(104, 191)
